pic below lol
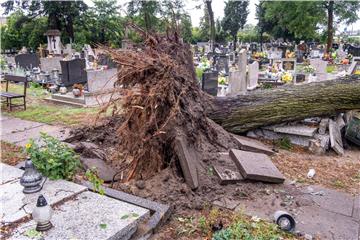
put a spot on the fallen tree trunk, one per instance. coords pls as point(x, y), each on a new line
point(245, 112)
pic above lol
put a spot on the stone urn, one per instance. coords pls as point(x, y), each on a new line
point(63, 90)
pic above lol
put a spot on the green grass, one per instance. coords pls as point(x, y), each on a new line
point(39, 110)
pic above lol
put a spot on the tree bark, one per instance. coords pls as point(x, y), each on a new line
point(212, 24)
point(266, 107)
point(330, 26)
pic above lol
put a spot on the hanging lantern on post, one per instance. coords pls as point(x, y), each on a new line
point(31, 178)
point(42, 214)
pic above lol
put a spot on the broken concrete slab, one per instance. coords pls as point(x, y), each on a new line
point(227, 176)
point(188, 161)
point(248, 144)
point(17, 205)
point(105, 172)
point(13, 125)
point(97, 217)
point(353, 130)
point(9, 173)
point(300, 130)
point(335, 137)
point(226, 203)
point(340, 121)
point(256, 166)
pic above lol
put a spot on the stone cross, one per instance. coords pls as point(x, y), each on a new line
point(237, 79)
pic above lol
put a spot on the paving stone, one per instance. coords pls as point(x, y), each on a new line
point(227, 203)
point(17, 205)
point(335, 138)
point(188, 162)
point(13, 125)
point(20, 138)
point(104, 171)
point(331, 200)
point(356, 208)
point(9, 173)
point(248, 144)
point(91, 216)
point(300, 130)
point(256, 166)
point(326, 225)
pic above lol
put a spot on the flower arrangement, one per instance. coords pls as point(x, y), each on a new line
point(222, 80)
point(309, 69)
point(259, 55)
point(287, 77)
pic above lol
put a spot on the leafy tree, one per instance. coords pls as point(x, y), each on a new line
point(20, 31)
point(60, 14)
point(235, 14)
point(220, 34)
point(205, 26)
point(147, 11)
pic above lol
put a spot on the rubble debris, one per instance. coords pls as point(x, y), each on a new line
point(256, 166)
point(227, 176)
point(300, 130)
point(335, 138)
point(188, 159)
point(340, 121)
point(248, 144)
point(323, 126)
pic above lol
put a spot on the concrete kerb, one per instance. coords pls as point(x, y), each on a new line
point(159, 212)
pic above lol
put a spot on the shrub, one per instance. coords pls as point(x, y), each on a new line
point(53, 158)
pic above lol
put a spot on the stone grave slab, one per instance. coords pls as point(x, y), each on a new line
point(9, 173)
point(90, 216)
point(335, 138)
point(300, 130)
point(248, 144)
point(188, 161)
point(226, 170)
point(17, 205)
point(256, 166)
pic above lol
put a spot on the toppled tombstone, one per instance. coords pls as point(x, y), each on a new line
point(320, 144)
point(335, 137)
point(226, 170)
point(248, 144)
point(256, 166)
point(188, 161)
point(340, 121)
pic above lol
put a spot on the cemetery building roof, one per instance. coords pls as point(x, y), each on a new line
point(52, 32)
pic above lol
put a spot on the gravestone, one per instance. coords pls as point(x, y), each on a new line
point(253, 75)
point(50, 63)
point(210, 82)
point(101, 80)
point(223, 64)
point(27, 60)
point(104, 59)
point(237, 79)
point(335, 137)
point(315, 53)
point(73, 71)
point(355, 51)
point(320, 67)
point(256, 166)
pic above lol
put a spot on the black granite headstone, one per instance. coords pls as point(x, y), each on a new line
point(210, 82)
point(73, 71)
point(27, 60)
point(222, 64)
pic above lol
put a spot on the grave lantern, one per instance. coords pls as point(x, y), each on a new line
point(31, 178)
point(42, 214)
point(285, 221)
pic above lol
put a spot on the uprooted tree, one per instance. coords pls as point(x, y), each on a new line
point(159, 99)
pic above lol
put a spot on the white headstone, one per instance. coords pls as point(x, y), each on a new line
point(238, 85)
point(320, 67)
point(253, 75)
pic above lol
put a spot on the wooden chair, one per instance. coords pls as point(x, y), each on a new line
point(10, 95)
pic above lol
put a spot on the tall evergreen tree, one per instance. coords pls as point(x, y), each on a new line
point(235, 15)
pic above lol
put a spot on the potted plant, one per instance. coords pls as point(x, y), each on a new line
point(78, 89)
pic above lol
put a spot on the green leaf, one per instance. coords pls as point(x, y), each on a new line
point(103, 225)
point(134, 215)
point(125, 216)
point(32, 233)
